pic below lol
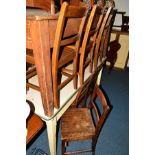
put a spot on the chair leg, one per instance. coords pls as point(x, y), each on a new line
point(81, 72)
point(93, 146)
point(55, 90)
point(81, 77)
point(95, 61)
point(91, 61)
point(63, 148)
point(75, 73)
point(90, 67)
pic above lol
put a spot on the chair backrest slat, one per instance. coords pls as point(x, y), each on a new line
point(100, 117)
point(106, 36)
point(87, 87)
point(90, 30)
point(101, 31)
point(75, 12)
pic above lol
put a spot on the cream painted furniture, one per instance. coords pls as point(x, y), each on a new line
point(123, 52)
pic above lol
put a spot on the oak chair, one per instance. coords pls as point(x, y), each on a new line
point(61, 54)
point(79, 123)
point(102, 35)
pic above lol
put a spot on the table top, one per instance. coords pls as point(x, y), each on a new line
point(44, 4)
point(39, 14)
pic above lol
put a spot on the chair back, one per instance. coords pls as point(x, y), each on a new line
point(99, 116)
point(87, 88)
point(89, 38)
point(67, 12)
point(106, 35)
point(61, 55)
point(104, 25)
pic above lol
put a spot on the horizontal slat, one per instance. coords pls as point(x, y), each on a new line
point(75, 12)
point(28, 76)
point(33, 86)
point(65, 82)
point(78, 151)
point(69, 40)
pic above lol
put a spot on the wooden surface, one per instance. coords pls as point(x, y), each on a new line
point(48, 5)
point(34, 125)
point(81, 124)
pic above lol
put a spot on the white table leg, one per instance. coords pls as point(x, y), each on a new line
point(99, 77)
point(51, 132)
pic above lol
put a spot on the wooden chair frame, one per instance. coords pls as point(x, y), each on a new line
point(83, 93)
point(66, 13)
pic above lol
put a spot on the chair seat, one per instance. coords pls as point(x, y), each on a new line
point(67, 55)
point(77, 124)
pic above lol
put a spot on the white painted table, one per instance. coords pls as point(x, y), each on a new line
point(67, 96)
